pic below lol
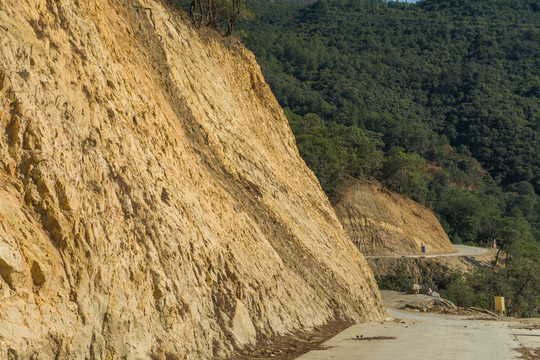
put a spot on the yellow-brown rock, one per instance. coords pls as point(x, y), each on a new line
point(152, 199)
point(382, 222)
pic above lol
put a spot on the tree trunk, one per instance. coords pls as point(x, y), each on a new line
point(496, 259)
point(520, 291)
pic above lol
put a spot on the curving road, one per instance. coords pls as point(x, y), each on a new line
point(461, 250)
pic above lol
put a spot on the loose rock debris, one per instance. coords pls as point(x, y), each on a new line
point(371, 338)
point(529, 353)
point(291, 346)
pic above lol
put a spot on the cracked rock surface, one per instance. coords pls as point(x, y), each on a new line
point(152, 199)
point(383, 222)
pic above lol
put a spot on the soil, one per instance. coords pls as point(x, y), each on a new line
point(291, 346)
point(529, 354)
point(371, 338)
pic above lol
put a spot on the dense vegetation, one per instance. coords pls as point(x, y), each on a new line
point(438, 100)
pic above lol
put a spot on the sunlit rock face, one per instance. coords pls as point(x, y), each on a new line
point(152, 199)
point(382, 222)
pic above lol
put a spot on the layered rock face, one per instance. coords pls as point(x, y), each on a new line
point(152, 199)
point(381, 222)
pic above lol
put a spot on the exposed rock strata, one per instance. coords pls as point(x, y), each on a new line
point(152, 199)
point(381, 222)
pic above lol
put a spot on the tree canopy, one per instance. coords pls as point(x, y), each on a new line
point(439, 100)
point(448, 91)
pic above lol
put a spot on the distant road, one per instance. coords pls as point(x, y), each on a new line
point(461, 250)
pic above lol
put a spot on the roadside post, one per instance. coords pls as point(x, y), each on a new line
point(499, 304)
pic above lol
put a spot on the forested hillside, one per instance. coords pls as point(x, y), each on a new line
point(438, 100)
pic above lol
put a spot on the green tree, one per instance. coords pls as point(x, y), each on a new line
point(459, 290)
point(214, 13)
point(405, 173)
point(336, 151)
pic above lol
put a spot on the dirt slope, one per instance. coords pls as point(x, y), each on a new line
point(381, 222)
point(152, 199)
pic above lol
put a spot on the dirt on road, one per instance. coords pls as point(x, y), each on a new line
point(291, 346)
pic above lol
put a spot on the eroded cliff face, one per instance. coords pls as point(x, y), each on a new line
point(152, 199)
point(382, 222)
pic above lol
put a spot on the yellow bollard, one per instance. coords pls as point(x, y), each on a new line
point(499, 303)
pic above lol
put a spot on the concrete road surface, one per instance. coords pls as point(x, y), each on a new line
point(461, 250)
point(428, 336)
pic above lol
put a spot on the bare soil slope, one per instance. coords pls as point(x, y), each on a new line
point(152, 199)
point(381, 222)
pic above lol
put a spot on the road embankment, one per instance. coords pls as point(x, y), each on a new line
point(466, 259)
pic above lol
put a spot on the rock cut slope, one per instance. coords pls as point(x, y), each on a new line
point(152, 199)
point(382, 222)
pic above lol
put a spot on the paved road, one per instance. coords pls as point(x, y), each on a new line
point(461, 250)
point(428, 336)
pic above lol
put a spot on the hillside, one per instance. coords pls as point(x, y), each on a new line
point(437, 100)
point(382, 222)
point(152, 198)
